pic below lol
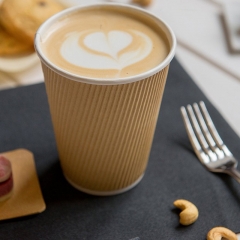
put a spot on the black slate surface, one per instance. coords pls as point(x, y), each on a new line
point(146, 211)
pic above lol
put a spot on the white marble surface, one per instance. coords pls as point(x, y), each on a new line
point(202, 50)
point(222, 89)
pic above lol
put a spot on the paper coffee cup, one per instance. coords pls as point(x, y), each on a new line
point(104, 128)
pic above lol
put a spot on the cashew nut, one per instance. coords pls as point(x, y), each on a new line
point(218, 233)
point(142, 2)
point(189, 213)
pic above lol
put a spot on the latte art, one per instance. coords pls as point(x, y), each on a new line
point(105, 43)
point(99, 50)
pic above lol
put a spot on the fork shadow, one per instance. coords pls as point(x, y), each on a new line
point(187, 146)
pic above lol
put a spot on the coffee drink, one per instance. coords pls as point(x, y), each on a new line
point(105, 68)
point(105, 43)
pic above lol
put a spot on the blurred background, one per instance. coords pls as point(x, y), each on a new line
point(208, 35)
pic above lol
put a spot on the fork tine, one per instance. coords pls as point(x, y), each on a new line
point(213, 130)
point(200, 135)
point(196, 127)
point(206, 132)
point(192, 137)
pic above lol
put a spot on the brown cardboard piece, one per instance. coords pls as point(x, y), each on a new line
point(26, 198)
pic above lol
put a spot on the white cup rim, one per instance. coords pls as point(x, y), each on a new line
point(99, 81)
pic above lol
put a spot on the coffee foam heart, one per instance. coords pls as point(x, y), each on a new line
point(105, 43)
point(100, 50)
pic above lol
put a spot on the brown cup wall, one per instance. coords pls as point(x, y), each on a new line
point(104, 133)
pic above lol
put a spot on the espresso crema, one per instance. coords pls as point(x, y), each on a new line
point(105, 43)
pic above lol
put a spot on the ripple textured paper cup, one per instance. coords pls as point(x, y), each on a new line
point(104, 129)
point(104, 133)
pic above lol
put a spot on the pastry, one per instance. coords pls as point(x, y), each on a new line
point(22, 18)
point(9, 45)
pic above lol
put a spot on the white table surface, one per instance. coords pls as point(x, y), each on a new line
point(202, 50)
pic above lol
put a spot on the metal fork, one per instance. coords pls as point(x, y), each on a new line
point(206, 142)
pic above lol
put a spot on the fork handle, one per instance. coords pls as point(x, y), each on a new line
point(234, 173)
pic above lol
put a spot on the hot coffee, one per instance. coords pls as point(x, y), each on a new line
point(105, 68)
point(105, 43)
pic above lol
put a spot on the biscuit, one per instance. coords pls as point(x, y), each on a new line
point(11, 46)
point(22, 18)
